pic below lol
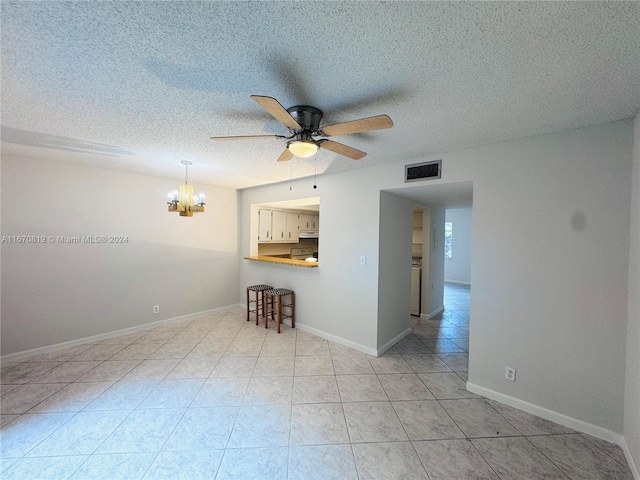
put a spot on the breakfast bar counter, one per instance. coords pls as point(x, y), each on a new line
point(283, 261)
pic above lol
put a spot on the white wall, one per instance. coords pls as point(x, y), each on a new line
point(394, 295)
point(55, 292)
point(339, 299)
point(632, 382)
point(432, 294)
point(457, 269)
point(427, 249)
point(549, 278)
point(433, 270)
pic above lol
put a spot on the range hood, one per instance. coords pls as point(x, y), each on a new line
point(307, 234)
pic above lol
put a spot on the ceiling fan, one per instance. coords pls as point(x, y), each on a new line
point(303, 122)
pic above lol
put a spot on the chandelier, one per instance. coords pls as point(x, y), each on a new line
point(184, 201)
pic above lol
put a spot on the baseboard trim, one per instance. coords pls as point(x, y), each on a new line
point(392, 342)
point(13, 357)
point(330, 337)
point(574, 423)
point(333, 338)
point(547, 414)
point(457, 282)
point(630, 460)
point(429, 316)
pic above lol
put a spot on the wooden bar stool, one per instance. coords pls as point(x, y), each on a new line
point(277, 294)
point(259, 300)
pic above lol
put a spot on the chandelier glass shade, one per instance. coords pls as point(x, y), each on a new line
point(184, 201)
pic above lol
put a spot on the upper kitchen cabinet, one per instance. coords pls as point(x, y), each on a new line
point(314, 221)
point(264, 225)
point(308, 222)
point(292, 227)
point(277, 226)
point(303, 221)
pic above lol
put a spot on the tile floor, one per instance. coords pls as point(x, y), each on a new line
point(219, 397)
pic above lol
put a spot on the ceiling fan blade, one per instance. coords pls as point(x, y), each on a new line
point(285, 156)
point(356, 126)
point(341, 149)
point(246, 137)
point(276, 110)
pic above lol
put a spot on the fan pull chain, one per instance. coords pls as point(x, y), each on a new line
point(290, 169)
point(315, 174)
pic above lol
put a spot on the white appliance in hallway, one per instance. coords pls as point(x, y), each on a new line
point(416, 281)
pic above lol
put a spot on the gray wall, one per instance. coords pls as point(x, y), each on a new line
point(457, 269)
point(55, 292)
point(632, 384)
point(546, 300)
point(394, 295)
point(433, 272)
point(339, 299)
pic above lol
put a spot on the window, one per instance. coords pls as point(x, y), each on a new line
point(448, 232)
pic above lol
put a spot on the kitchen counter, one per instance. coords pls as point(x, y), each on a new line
point(283, 261)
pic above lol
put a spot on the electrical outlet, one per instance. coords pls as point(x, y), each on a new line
point(510, 374)
point(156, 309)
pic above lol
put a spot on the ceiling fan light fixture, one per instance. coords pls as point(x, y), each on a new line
point(302, 148)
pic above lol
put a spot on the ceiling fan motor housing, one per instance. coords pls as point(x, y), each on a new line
point(307, 117)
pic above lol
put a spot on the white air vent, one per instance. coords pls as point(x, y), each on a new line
point(423, 171)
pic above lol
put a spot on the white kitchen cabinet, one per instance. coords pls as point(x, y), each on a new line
point(278, 226)
point(282, 226)
point(264, 225)
point(292, 227)
point(303, 222)
point(308, 222)
point(314, 222)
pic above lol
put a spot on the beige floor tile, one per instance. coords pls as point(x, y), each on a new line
point(373, 422)
point(319, 347)
point(254, 463)
point(203, 429)
point(123, 396)
point(426, 420)
point(315, 389)
point(318, 424)
point(360, 388)
point(185, 465)
point(143, 431)
point(453, 459)
point(397, 460)
point(312, 365)
point(72, 398)
point(351, 365)
point(261, 426)
point(109, 371)
point(269, 391)
point(322, 462)
point(404, 386)
point(579, 458)
point(446, 386)
point(516, 458)
point(476, 418)
point(390, 364)
point(221, 391)
point(275, 411)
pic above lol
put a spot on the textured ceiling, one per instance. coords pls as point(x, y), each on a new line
point(140, 86)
